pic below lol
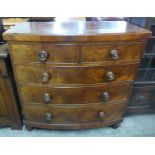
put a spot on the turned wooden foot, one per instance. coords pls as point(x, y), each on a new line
point(13, 127)
point(115, 126)
point(28, 128)
point(16, 128)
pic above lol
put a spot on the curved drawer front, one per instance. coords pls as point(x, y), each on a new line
point(75, 95)
point(76, 74)
point(73, 114)
point(41, 53)
point(112, 52)
point(70, 53)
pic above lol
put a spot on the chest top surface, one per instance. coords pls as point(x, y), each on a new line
point(79, 31)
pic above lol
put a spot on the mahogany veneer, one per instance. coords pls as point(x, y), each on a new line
point(74, 75)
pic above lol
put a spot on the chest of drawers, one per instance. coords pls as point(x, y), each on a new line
point(74, 75)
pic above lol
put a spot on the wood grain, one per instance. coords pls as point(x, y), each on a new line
point(101, 52)
point(76, 53)
point(75, 71)
point(73, 114)
point(9, 112)
point(78, 31)
point(75, 95)
point(75, 74)
point(57, 53)
point(3, 111)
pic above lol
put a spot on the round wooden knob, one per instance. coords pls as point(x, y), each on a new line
point(42, 56)
point(47, 97)
point(45, 77)
point(105, 96)
point(101, 115)
point(110, 76)
point(48, 117)
point(114, 54)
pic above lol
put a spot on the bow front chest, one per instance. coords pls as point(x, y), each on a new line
point(73, 75)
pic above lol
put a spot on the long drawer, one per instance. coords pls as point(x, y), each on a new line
point(106, 93)
point(70, 53)
point(73, 114)
point(75, 74)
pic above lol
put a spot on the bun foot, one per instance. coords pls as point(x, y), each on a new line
point(28, 128)
point(115, 126)
point(14, 128)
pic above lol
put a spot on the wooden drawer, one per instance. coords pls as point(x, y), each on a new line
point(75, 95)
point(75, 74)
point(73, 114)
point(69, 53)
point(72, 61)
point(113, 52)
point(56, 53)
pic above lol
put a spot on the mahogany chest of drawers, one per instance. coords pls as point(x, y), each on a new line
point(73, 75)
point(9, 105)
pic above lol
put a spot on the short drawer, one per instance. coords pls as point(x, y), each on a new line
point(75, 74)
point(75, 95)
point(114, 52)
point(41, 53)
point(73, 114)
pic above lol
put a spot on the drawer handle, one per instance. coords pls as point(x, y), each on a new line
point(48, 117)
point(42, 56)
point(105, 96)
point(45, 77)
point(101, 115)
point(110, 76)
point(115, 54)
point(47, 97)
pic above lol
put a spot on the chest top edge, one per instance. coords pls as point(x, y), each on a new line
point(76, 32)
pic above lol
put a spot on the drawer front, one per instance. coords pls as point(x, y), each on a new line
point(73, 114)
point(112, 52)
point(69, 53)
point(76, 74)
point(75, 95)
point(40, 53)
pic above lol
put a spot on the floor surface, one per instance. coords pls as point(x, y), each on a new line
point(137, 126)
